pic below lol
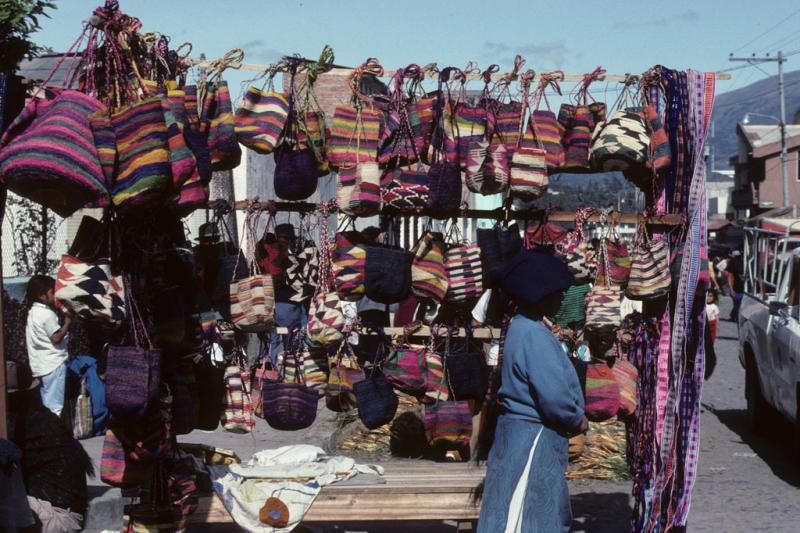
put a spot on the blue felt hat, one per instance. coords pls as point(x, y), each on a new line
point(533, 274)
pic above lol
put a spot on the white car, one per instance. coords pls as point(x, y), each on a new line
point(769, 329)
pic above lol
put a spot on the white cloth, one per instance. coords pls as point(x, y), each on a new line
point(293, 474)
point(482, 307)
point(712, 312)
point(628, 307)
point(43, 354)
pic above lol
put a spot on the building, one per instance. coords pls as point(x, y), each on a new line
point(758, 171)
point(719, 186)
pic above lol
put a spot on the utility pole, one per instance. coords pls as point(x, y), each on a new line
point(780, 59)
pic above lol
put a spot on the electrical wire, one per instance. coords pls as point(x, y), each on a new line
point(768, 30)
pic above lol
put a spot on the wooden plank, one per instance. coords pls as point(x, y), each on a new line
point(344, 71)
point(496, 214)
point(477, 333)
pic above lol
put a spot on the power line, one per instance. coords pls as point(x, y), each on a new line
point(768, 30)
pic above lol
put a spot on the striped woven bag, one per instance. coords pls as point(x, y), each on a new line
point(143, 172)
point(313, 133)
point(544, 130)
point(602, 392)
point(507, 118)
point(627, 378)
point(237, 414)
point(365, 197)
point(464, 274)
point(613, 260)
point(429, 279)
point(405, 190)
point(576, 250)
point(621, 143)
point(649, 277)
point(528, 173)
point(181, 159)
point(397, 143)
point(354, 136)
point(252, 299)
point(260, 119)
point(404, 367)
point(437, 389)
point(579, 122)
point(48, 155)
point(448, 424)
point(218, 112)
point(349, 261)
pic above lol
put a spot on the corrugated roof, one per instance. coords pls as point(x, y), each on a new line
point(765, 140)
point(39, 68)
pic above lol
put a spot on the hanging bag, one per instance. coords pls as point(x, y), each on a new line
point(544, 130)
point(311, 364)
point(133, 372)
point(465, 366)
point(349, 259)
point(448, 424)
point(614, 262)
point(326, 320)
point(237, 414)
point(649, 277)
point(217, 112)
point(437, 389)
point(253, 297)
point(497, 245)
point(464, 273)
point(602, 315)
point(388, 274)
point(261, 117)
point(429, 281)
point(579, 121)
point(82, 419)
point(627, 378)
point(404, 367)
point(602, 392)
point(444, 174)
point(289, 405)
point(487, 165)
point(576, 250)
point(528, 172)
point(375, 398)
point(398, 146)
point(264, 373)
point(345, 373)
point(158, 514)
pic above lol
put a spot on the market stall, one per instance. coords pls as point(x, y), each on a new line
point(341, 311)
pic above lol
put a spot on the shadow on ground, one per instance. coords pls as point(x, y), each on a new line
point(774, 446)
point(600, 513)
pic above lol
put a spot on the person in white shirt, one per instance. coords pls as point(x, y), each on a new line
point(46, 341)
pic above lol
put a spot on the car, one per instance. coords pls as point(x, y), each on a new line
point(769, 328)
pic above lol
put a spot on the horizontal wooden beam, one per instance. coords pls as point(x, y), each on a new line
point(343, 71)
point(496, 214)
point(425, 331)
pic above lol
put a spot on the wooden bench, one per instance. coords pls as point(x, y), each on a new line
point(413, 490)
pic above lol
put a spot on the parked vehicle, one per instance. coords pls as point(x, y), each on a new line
point(769, 326)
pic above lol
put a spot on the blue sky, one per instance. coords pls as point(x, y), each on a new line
point(575, 36)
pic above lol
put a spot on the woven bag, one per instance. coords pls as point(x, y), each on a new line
point(448, 424)
point(354, 136)
point(365, 197)
point(289, 405)
point(444, 189)
point(217, 111)
point(253, 297)
point(398, 146)
point(507, 119)
point(237, 413)
point(90, 291)
point(602, 317)
point(49, 163)
point(387, 274)
point(345, 373)
point(469, 123)
point(649, 277)
point(429, 280)
point(579, 122)
point(621, 143)
point(296, 173)
point(263, 374)
point(463, 265)
point(602, 392)
point(82, 420)
point(576, 251)
point(302, 365)
point(404, 367)
point(628, 380)
point(573, 307)
point(326, 320)
point(349, 263)
point(405, 190)
point(488, 168)
point(437, 389)
point(183, 163)
point(498, 245)
point(465, 367)
point(261, 117)
point(375, 398)
point(613, 260)
point(660, 153)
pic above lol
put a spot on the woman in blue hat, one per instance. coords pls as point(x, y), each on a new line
point(541, 407)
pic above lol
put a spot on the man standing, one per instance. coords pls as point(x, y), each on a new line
point(735, 272)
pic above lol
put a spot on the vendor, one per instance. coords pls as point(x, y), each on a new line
point(541, 406)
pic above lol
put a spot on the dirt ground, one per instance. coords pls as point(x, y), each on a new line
point(745, 483)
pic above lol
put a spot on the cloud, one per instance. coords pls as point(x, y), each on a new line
point(550, 52)
point(257, 51)
point(689, 15)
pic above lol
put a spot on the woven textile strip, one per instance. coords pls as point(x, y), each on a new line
point(680, 434)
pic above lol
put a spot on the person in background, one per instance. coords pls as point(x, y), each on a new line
point(46, 340)
point(712, 314)
point(541, 406)
point(735, 271)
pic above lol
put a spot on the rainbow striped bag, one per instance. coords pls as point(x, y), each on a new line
point(448, 424)
point(464, 273)
point(252, 299)
point(181, 159)
point(546, 132)
point(260, 119)
point(437, 389)
point(354, 136)
point(314, 133)
point(627, 378)
point(404, 367)
point(429, 280)
point(47, 154)
point(143, 173)
point(602, 392)
point(529, 179)
point(349, 263)
point(578, 137)
point(469, 125)
point(218, 112)
point(507, 119)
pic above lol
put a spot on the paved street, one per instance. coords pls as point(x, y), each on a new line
point(745, 483)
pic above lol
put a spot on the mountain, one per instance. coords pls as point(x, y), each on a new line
point(759, 97)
